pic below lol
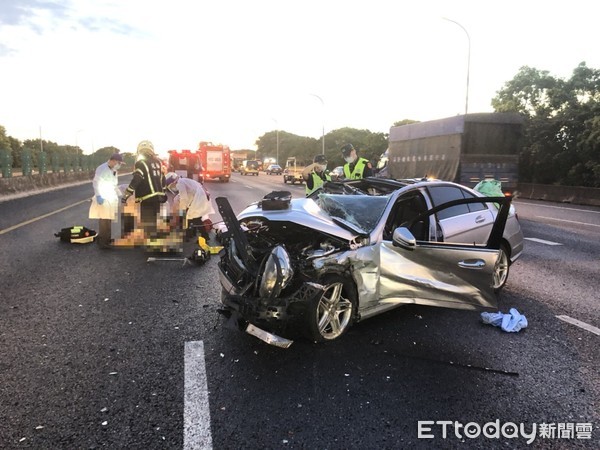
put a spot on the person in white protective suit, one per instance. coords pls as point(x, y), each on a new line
point(188, 195)
point(105, 203)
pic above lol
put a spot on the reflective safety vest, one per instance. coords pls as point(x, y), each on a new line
point(358, 171)
point(148, 180)
point(317, 182)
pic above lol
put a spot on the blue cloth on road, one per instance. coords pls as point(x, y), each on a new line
point(99, 199)
point(511, 322)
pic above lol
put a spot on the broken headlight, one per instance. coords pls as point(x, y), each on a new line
point(277, 273)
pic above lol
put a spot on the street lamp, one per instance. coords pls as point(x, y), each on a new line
point(277, 157)
point(468, 59)
point(323, 135)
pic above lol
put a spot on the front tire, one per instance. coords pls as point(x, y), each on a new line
point(330, 315)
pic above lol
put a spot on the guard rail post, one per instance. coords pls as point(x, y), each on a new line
point(55, 161)
point(66, 162)
point(42, 163)
point(6, 161)
point(26, 162)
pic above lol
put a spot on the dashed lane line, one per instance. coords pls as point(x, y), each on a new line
point(542, 241)
point(539, 205)
point(570, 221)
point(35, 219)
point(580, 324)
point(196, 411)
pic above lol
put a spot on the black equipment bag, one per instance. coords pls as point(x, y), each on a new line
point(76, 235)
point(276, 200)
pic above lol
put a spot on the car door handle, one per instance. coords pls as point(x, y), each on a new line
point(472, 264)
point(479, 219)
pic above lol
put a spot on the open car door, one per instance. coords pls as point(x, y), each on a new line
point(441, 274)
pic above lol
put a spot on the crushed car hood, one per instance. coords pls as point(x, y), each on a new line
point(305, 212)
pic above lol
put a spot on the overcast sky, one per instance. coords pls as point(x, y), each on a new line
point(113, 72)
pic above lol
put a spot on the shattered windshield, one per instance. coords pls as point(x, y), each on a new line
point(362, 211)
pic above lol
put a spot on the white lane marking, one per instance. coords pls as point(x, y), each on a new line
point(558, 207)
point(580, 324)
point(541, 241)
point(569, 221)
point(35, 219)
point(196, 411)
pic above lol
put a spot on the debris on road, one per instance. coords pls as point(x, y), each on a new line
point(153, 259)
point(511, 322)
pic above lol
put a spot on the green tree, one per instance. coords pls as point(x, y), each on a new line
point(4, 139)
point(301, 147)
point(368, 145)
point(103, 154)
point(561, 126)
point(15, 147)
point(404, 122)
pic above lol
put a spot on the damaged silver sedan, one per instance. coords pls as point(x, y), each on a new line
point(315, 266)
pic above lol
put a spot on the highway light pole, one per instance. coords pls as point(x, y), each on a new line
point(277, 157)
point(323, 134)
point(77, 138)
point(468, 60)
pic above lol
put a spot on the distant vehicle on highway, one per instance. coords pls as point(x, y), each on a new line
point(274, 169)
point(250, 167)
point(465, 149)
point(293, 170)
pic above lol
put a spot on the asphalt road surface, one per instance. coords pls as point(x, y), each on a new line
point(102, 349)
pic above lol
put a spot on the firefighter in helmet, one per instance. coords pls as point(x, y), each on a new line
point(147, 185)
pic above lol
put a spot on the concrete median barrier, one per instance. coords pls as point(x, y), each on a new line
point(31, 183)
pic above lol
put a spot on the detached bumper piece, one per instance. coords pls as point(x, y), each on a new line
point(267, 337)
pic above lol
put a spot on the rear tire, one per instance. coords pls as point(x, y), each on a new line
point(501, 268)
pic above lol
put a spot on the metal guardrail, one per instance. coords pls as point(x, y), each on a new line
point(562, 194)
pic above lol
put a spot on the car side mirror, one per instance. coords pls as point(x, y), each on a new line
point(403, 238)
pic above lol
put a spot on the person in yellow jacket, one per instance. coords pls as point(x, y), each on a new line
point(314, 174)
point(355, 167)
point(105, 203)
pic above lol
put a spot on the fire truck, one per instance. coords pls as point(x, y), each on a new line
point(185, 163)
point(215, 160)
